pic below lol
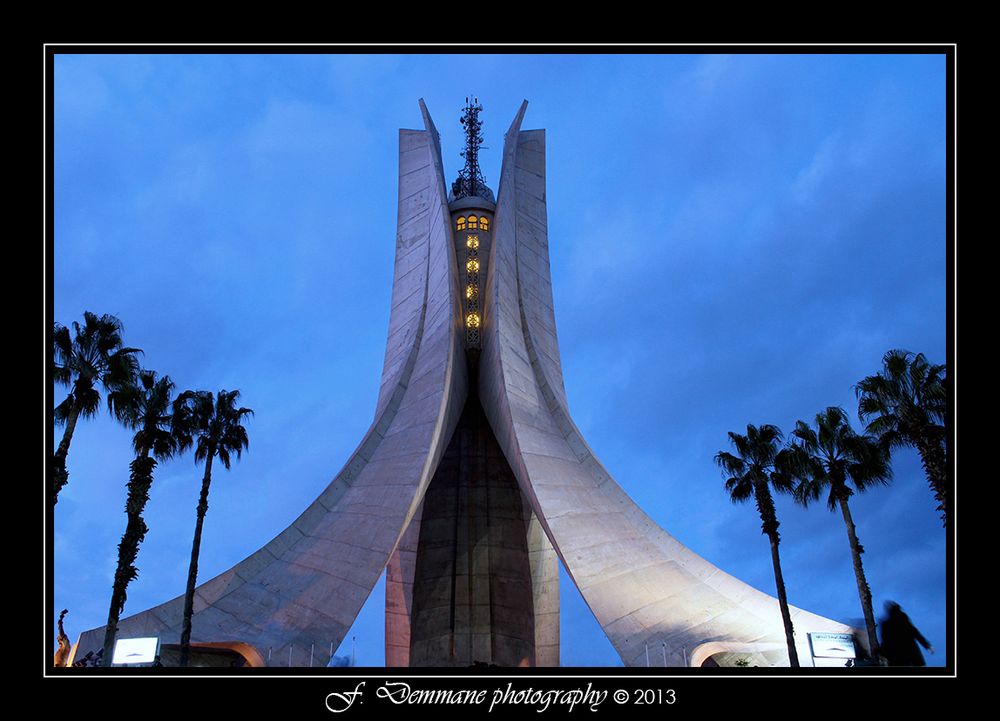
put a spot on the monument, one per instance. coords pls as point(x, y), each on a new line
point(473, 483)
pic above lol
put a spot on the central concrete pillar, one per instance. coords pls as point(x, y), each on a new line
point(472, 600)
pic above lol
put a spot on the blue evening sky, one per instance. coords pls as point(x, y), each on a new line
point(734, 239)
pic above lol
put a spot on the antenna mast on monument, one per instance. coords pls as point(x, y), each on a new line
point(470, 181)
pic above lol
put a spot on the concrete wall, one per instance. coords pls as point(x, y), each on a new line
point(399, 594)
point(472, 591)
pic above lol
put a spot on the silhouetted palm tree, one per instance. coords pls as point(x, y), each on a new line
point(214, 424)
point(906, 404)
point(93, 356)
point(758, 467)
point(831, 458)
point(145, 408)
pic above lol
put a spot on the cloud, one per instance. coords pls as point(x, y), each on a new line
point(822, 165)
point(707, 74)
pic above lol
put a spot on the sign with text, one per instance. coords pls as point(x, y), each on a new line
point(832, 645)
point(129, 651)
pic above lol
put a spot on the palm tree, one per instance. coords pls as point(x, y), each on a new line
point(144, 408)
point(759, 466)
point(92, 356)
point(215, 425)
point(832, 457)
point(906, 404)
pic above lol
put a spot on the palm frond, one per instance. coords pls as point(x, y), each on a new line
point(834, 454)
point(782, 482)
point(754, 462)
point(62, 353)
point(121, 368)
point(740, 489)
point(91, 355)
point(797, 461)
point(869, 464)
point(145, 407)
point(730, 463)
point(123, 403)
point(88, 400)
point(63, 410)
point(806, 491)
point(214, 423)
point(806, 436)
point(741, 443)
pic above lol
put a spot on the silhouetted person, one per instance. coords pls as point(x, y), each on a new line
point(900, 638)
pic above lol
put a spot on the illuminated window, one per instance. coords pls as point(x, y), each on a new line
point(472, 318)
point(484, 223)
point(460, 223)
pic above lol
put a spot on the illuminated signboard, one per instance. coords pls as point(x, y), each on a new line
point(134, 651)
point(832, 645)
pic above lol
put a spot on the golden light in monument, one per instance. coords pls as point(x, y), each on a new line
point(471, 291)
point(472, 266)
point(473, 320)
point(472, 242)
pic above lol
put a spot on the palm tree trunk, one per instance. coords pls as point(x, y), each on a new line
point(786, 617)
point(934, 460)
point(769, 524)
point(864, 592)
point(193, 569)
point(140, 480)
point(61, 475)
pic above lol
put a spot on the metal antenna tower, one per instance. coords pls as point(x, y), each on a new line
point(470, 180)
